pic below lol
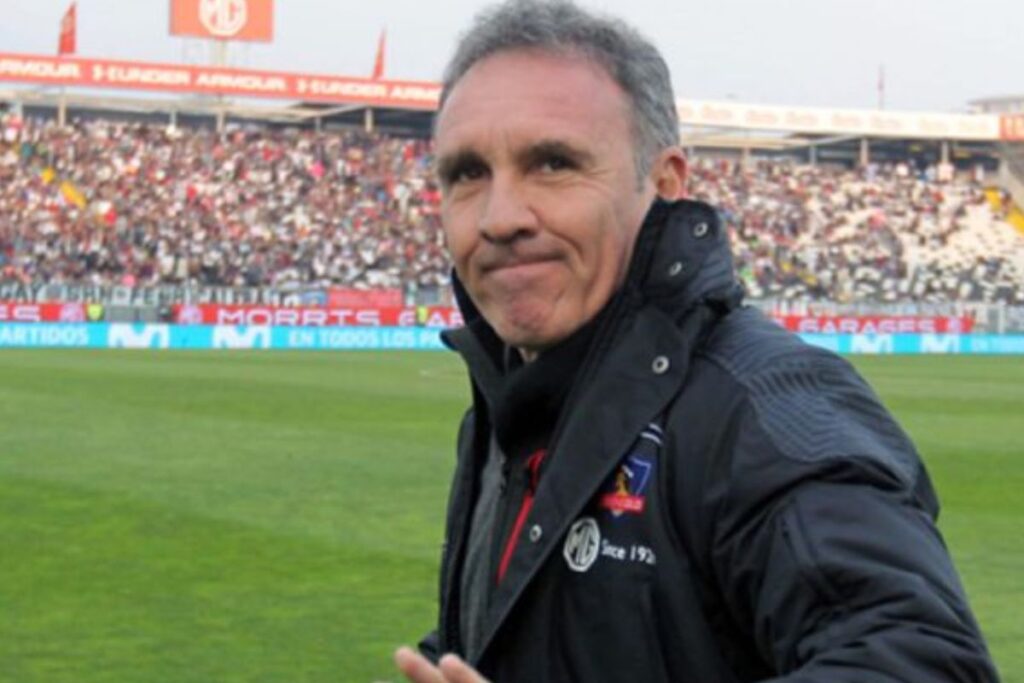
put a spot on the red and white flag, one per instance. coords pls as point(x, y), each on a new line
point(378, 63)
point(68, 29)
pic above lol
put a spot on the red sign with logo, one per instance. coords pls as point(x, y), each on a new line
point(214, 314)
point(907, 324)
point(223, 19)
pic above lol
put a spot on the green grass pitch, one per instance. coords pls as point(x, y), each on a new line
point(232, 516)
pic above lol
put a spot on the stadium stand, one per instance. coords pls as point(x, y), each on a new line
point(104, 202)
point(884, 233)
point(107, 202)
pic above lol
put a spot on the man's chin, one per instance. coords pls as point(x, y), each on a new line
point(529, 339)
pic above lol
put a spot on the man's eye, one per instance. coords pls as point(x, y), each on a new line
point(466, 173)
point(555, 163)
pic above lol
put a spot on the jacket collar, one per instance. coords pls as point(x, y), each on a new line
point(690, 260)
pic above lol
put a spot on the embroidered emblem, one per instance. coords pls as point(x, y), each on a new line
point(627, 488)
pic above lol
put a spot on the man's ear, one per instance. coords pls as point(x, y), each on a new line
point(669, 174)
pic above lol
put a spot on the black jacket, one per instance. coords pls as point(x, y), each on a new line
point(720, 502)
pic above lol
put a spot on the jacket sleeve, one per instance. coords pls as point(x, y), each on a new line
point(429, 646)
point(825, 544)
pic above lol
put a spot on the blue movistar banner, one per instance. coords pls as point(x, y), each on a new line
point(972, 344)
point(164, 336)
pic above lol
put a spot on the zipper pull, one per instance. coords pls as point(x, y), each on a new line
point(533, 468)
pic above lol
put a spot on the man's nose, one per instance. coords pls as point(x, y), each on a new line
point(506, 215)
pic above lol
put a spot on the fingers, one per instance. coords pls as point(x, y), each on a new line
point(457, 671)
point(416, 667)
point(419, 669)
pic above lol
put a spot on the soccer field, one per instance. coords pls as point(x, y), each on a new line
point(232, 516)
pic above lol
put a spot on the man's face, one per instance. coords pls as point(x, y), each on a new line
point(540, 200)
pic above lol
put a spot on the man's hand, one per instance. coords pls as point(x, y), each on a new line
point(451, 669)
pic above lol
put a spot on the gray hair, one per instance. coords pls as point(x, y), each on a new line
point(561, 27)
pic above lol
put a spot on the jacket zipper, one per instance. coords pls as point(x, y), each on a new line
point(533, 472)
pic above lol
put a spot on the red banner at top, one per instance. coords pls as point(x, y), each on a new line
point(378, 62)
point(66, 45)
point(173, 78)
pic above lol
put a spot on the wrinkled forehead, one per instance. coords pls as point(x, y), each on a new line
point(504, 65)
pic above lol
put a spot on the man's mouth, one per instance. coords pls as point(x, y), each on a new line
point(516, 262)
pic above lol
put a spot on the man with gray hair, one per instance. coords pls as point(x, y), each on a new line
point(654, 483)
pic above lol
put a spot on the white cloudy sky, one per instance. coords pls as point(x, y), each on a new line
point(938, 54)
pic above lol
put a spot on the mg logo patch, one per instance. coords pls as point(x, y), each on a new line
point(582, 544)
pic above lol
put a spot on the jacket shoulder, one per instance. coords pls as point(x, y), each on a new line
point(745, 342)
point(808, 403)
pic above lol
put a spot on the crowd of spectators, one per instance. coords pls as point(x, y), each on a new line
point(882, 233)
point(104, 202)
point(109, 202)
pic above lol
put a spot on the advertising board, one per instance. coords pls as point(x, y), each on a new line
point(207, 337)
